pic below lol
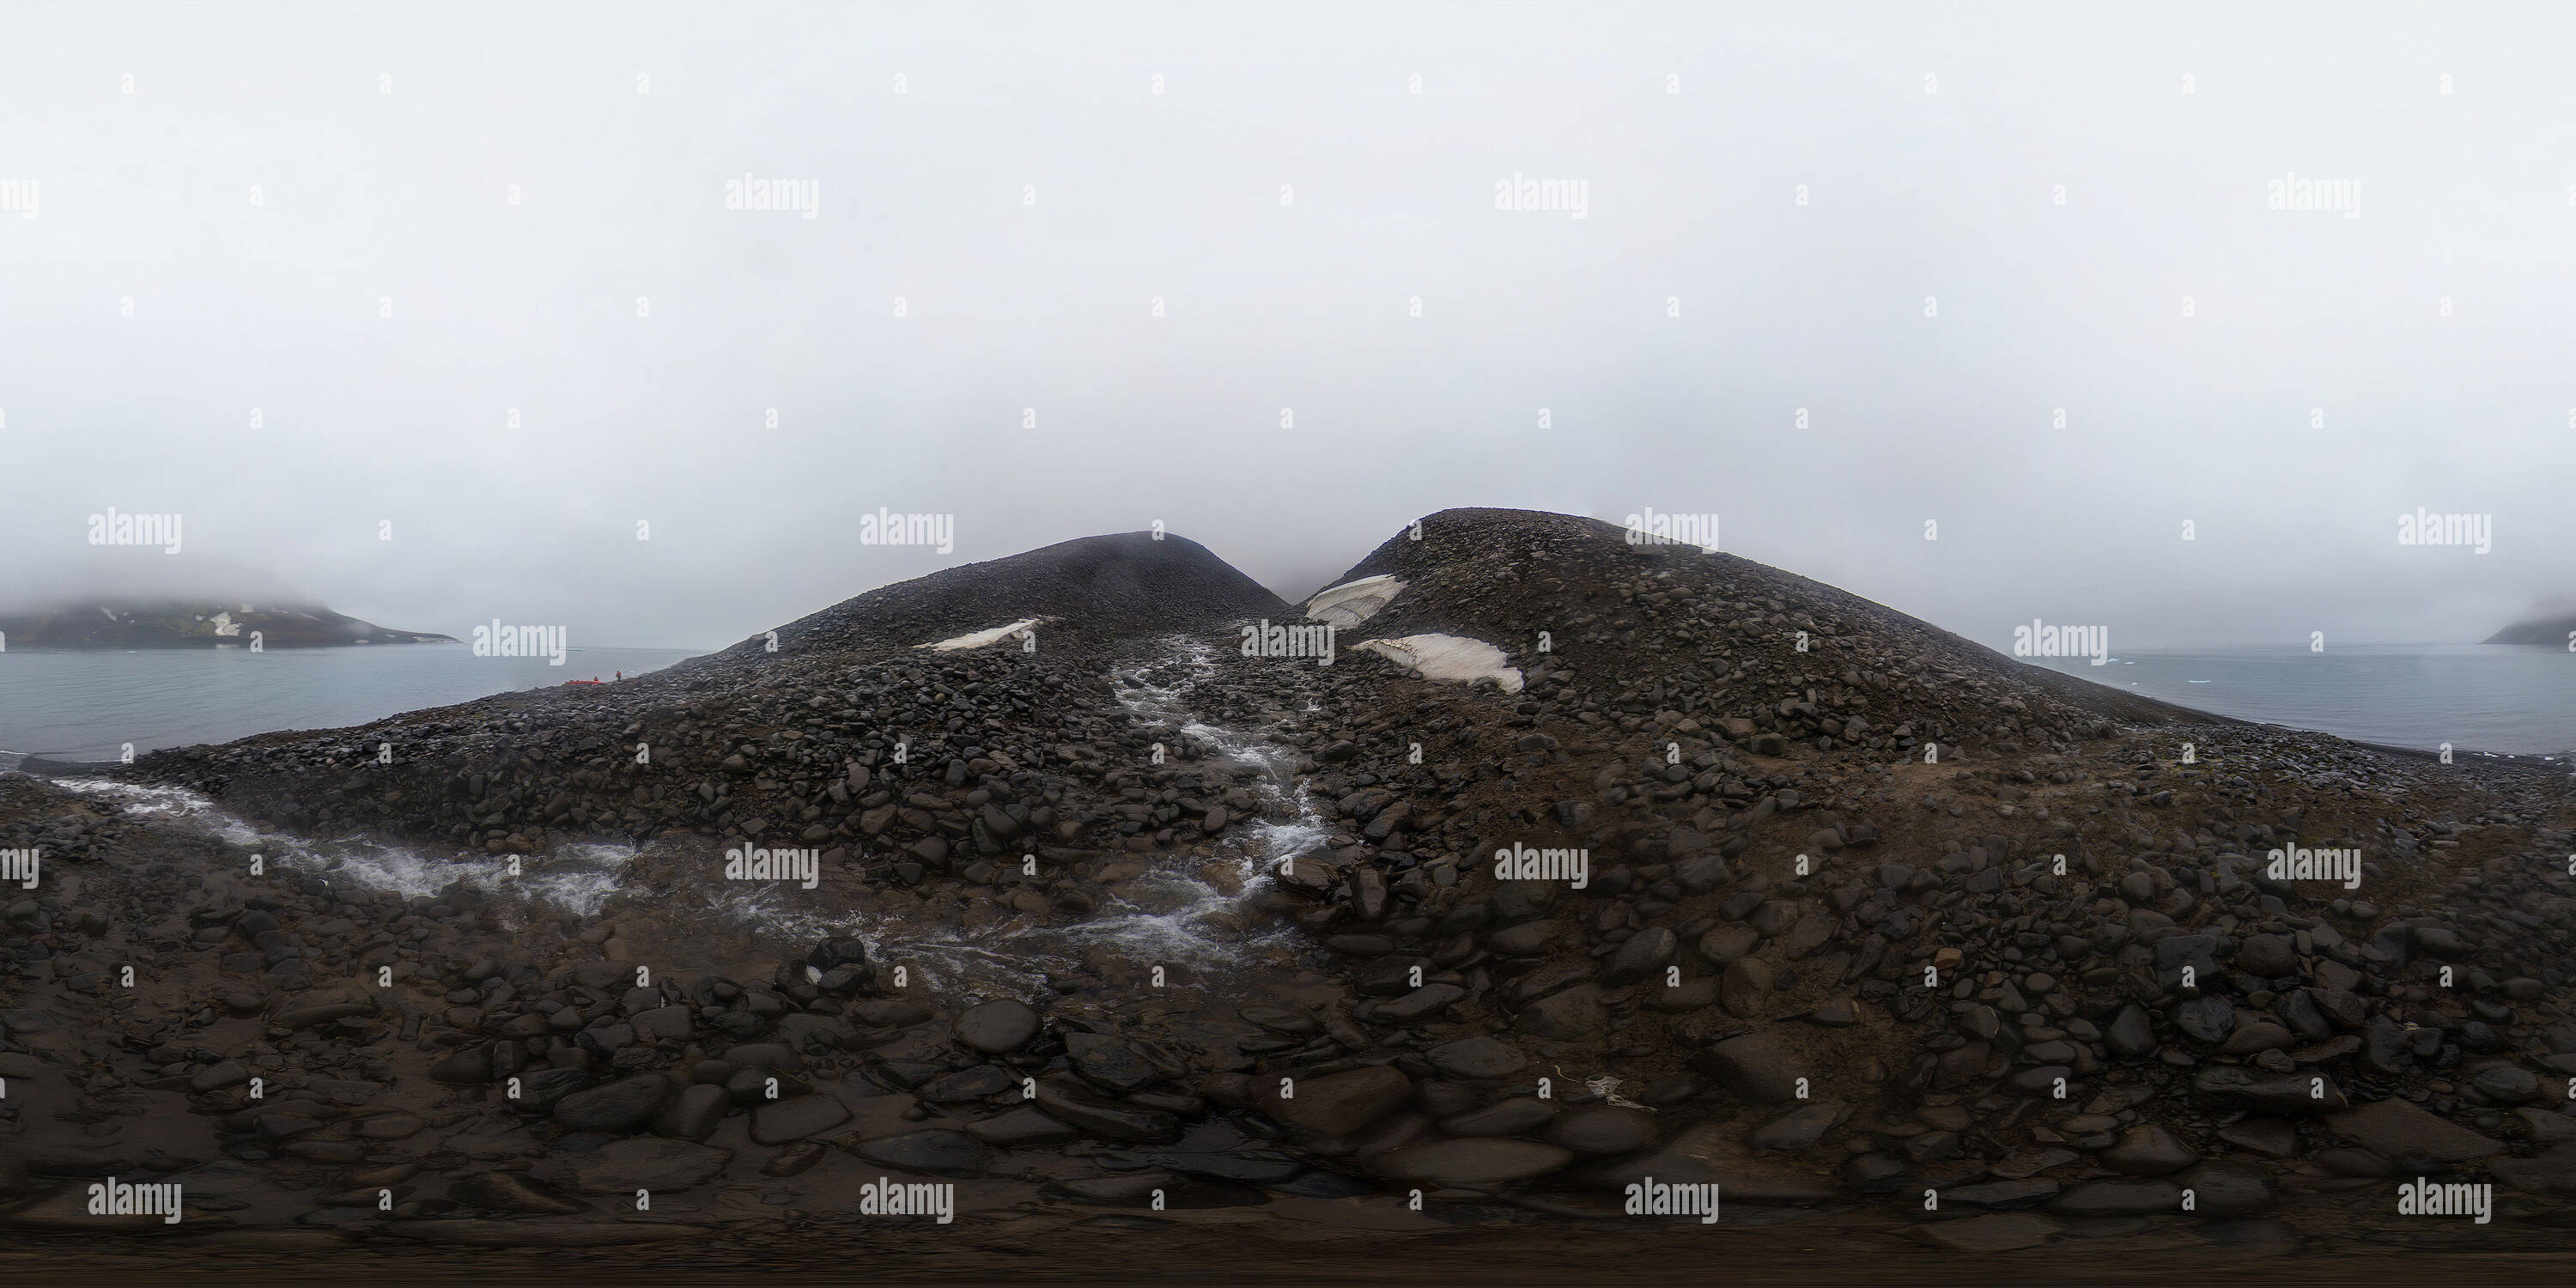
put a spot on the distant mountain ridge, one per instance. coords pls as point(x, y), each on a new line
point(2553, 628)
point(197, 624)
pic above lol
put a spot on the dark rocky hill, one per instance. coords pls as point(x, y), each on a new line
point(2049, 975)
point(2554, 629)
point(1095, 587)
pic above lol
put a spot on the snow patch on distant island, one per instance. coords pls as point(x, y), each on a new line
point(1446, 657)
point(1353, 602)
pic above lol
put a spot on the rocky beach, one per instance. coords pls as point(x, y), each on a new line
point(1112, 893)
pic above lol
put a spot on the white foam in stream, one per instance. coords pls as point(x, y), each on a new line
point(577, 877)
point(1171, 913)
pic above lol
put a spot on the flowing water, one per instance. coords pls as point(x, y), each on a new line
point(1182, 910)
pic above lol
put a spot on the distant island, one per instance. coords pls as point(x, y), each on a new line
point(197, 624)
point(2552, 628)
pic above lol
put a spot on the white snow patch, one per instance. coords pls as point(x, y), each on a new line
point(981, 638)
point(1446, 657)
point(1353, 602)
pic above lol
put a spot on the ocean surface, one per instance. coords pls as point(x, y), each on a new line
point(86, 704)
point(2511, 699)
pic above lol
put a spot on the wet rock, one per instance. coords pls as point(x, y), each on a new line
point(891, 1013)
point(2295, 1094)
point(1643, 954)
point(2118, 1198)
point(973, 1083)
point(2399, 1130)
point(1799, 1128)
point(1339, 1103)
point(1528, 939)
point(2270, 1137)
point(1517, 1116)
point(1710, 1153)
point(2205, 1019)
point(2227, 1190)
point(1876, 1172)
point(1996, 1232)
point(464, 1068)
point(216, 1077)
point(779, 1122)
point(1421, 1004)
point(513, 1192)
point(1689, 995)
point(934, 1152)
point(2001, 1195)
point(1475, 1058)
point(621, 1106)
point(1601, 1129)
point(2553, 1172)
point(1073, 1101)
point(2130, 1033)
point(1756, 1067)
point(1726, 943)
point(2147, 1150)
point(1745, 988)
point(998, 1027)
point(2505, 1084)
point(1109, 1064)
point(650, 1163)
point(1022, 1128)
point(693, 1114)
point(2267, 956)
point(1471, 1163)
point(1566, 1016)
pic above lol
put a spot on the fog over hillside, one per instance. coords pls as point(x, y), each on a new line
point(426, 308)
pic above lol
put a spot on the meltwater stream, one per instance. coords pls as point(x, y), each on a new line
point(1182, 909)
point(1174, 912)
point(578, 878)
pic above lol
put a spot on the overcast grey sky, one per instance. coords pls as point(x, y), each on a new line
point(1287, 195)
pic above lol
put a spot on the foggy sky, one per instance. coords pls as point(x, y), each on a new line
point(367, 196)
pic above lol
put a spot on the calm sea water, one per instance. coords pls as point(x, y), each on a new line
point(83, 704)
point(2476, 697)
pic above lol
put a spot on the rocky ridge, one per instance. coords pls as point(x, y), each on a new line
point(1879, 914)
